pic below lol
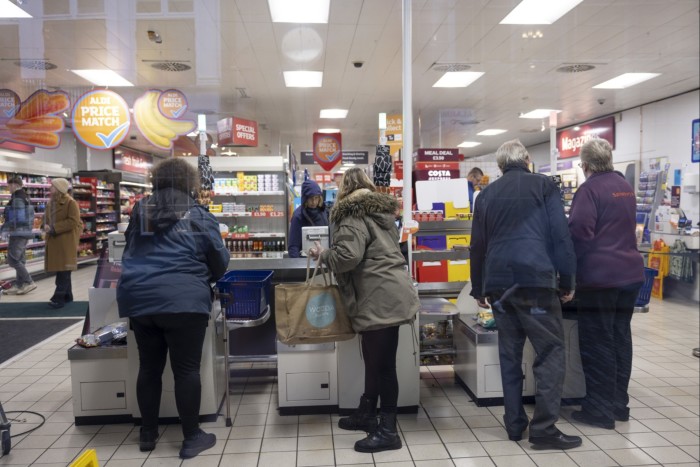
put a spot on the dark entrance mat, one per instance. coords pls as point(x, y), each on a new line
point(17, 335)
point(42, 310)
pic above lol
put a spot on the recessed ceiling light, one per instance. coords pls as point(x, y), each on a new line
point(299, 11)
point(458, 79)
point(103, 78)
point(303, 79)
point(10, 10)
point(328, 130)
point(334, 113)
point(626, 80)
point(491, 132)
point(468, 144)
point(539, 113)
point(539, 11)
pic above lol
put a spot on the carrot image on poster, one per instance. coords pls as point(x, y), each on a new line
point(33, 122)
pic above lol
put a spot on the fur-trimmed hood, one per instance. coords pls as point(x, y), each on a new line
point(362, 203)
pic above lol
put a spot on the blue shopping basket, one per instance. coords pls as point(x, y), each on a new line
point(645, 292)
point(244, 294)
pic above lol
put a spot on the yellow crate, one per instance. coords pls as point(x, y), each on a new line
point(458, 271)
point(453, 240)
point(453, 213)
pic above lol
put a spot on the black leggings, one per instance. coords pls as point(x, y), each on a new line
point(181, 334)
point(379, 353)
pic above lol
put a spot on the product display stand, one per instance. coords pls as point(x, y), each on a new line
point(230, 325)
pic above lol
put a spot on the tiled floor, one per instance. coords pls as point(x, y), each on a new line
point(449, 430)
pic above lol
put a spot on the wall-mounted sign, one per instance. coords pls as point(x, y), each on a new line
point(393, 133)
point(33, 122)
point(328, 149)
point(172, 103)
point(128, 160)
point(436, 155)
point(234, 131)
point(159, 129)
point(306, 158)
point(356, 157)
point(435, 170)
point(569, 141)
point(101, 119)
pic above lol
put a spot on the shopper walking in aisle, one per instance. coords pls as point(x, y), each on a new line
point(609, 275)
point(62, 226)
point(379, 295)
point(17, 228)
point(473, 180)
point(311, 213)
point(522, 262)
point(173, 253)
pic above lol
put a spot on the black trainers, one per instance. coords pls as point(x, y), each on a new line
point(147, 439)
point(594, 420)
point(194, 445)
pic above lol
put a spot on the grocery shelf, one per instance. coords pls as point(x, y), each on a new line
point(249, 214)
point(435, 255)
point(251, 193)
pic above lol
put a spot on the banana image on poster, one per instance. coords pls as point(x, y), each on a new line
point(158, 129)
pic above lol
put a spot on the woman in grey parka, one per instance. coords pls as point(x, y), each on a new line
point(379, 295)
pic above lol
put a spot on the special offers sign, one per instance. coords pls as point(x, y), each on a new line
point(569, 141)
point(234, 131)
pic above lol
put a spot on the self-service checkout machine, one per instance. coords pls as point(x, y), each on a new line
point(104, 378)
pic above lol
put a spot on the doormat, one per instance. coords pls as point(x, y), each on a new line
point(17, 335)
point(42, 310)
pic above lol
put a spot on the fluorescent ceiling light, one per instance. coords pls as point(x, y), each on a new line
point(468, 144)
point(103, 77)
point(626, 80)
point(457, 79)
point(299, 11)
point(303, 79)
point(539, 113)
point(10, 10)
point(539, 11)
point(491, 132)
point(334, 113)
point(328, 130)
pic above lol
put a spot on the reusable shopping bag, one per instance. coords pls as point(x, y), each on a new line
point(311, 313)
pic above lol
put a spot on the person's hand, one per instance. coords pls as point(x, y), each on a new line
point(566, 295)
point(316, 250)
point(482, 302)
point(47, 228)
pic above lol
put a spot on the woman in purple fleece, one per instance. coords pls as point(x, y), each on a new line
point(609, 274)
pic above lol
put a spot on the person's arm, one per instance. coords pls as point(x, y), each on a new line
point(294, 244)
point(217, 255)
point(348, 250)
point(71, 222)
point(477, 252)
point(583, 218)
point(563, 247)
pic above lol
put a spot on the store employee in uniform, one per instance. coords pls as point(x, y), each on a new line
point(311, 213)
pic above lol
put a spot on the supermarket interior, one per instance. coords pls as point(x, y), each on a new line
point(259, 96)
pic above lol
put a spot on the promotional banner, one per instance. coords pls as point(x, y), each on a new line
point(238, 132)
point(33, 122)
point(436, 155)
point(356, 157)
point(101, 119)
point(128, 160)
point(569, 141)
point(393, 133)
point(151, 112)
point(328, 150)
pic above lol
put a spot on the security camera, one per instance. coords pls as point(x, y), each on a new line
point(358, 64)
point(601, 101)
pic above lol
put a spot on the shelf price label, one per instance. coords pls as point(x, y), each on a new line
point(268, 214)
point(239, 236)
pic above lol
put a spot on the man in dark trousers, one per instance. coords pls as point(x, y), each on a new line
point(523, 263)
point(17, 226)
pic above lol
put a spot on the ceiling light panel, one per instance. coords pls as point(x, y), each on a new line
point(468, 144)
point(626, 80)
point(491, 132)
point(103, 78)
point(328, 130)
point(299, 11)
point(539, 11)
point(10, 10)
point(333, 113)
point(457, 79)
point(539, 113)
point(303, 79)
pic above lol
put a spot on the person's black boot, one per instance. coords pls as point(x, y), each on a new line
point(385, 438)
point(364, 418)
point(147, 439)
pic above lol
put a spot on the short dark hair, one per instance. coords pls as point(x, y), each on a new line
point(175, 173)
point(15, 179)
point(476, 171)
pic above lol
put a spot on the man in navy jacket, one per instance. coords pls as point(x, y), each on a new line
point(522, 261)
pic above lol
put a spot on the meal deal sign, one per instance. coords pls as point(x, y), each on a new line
point(234, 131)
point(328, 150)
point(569, 141)
point(101, 119)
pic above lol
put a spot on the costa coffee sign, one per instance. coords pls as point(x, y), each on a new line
point(234, 131)
point(436, 170)
point(436, 155)
point(569, 141)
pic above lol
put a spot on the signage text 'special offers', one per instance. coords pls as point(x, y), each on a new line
point(245, 132)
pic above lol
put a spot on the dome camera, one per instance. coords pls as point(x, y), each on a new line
point(358, 63)
point(601, 101)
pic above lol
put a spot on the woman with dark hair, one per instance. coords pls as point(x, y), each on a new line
point(379, 295)
point(311, 213)
point(173, 252)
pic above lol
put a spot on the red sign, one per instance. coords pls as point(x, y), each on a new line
point(435, 174)
point(323, 178)
point(398, 170)
point(234, 131)
point(436, 166)
point(328, 149)
point(436, 155)
point(569, 141)
point(128, 160)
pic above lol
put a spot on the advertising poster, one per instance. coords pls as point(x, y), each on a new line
point(151, 115)
point(328, 150)
point(394, 133)
point(569, 141)
point(33, 122)
point(101, 119)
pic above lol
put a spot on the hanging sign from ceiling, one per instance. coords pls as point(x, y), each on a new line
point(328, 149)
point(33, 122)
point(128, 160)
point(237, 132)
point(393, 133)
point(172, 103)
point(101, 119)
point(155, 125)
point(569, 141)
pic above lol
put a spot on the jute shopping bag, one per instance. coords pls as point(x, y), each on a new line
point(310, 313)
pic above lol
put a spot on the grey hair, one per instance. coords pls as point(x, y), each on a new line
point(597, 155)
point(512, 153)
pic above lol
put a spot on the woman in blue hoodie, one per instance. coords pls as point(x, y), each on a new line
point(311, 213)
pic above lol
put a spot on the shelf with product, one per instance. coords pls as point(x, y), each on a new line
point(85, 194)
point(252, 206)
point(129, 194)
